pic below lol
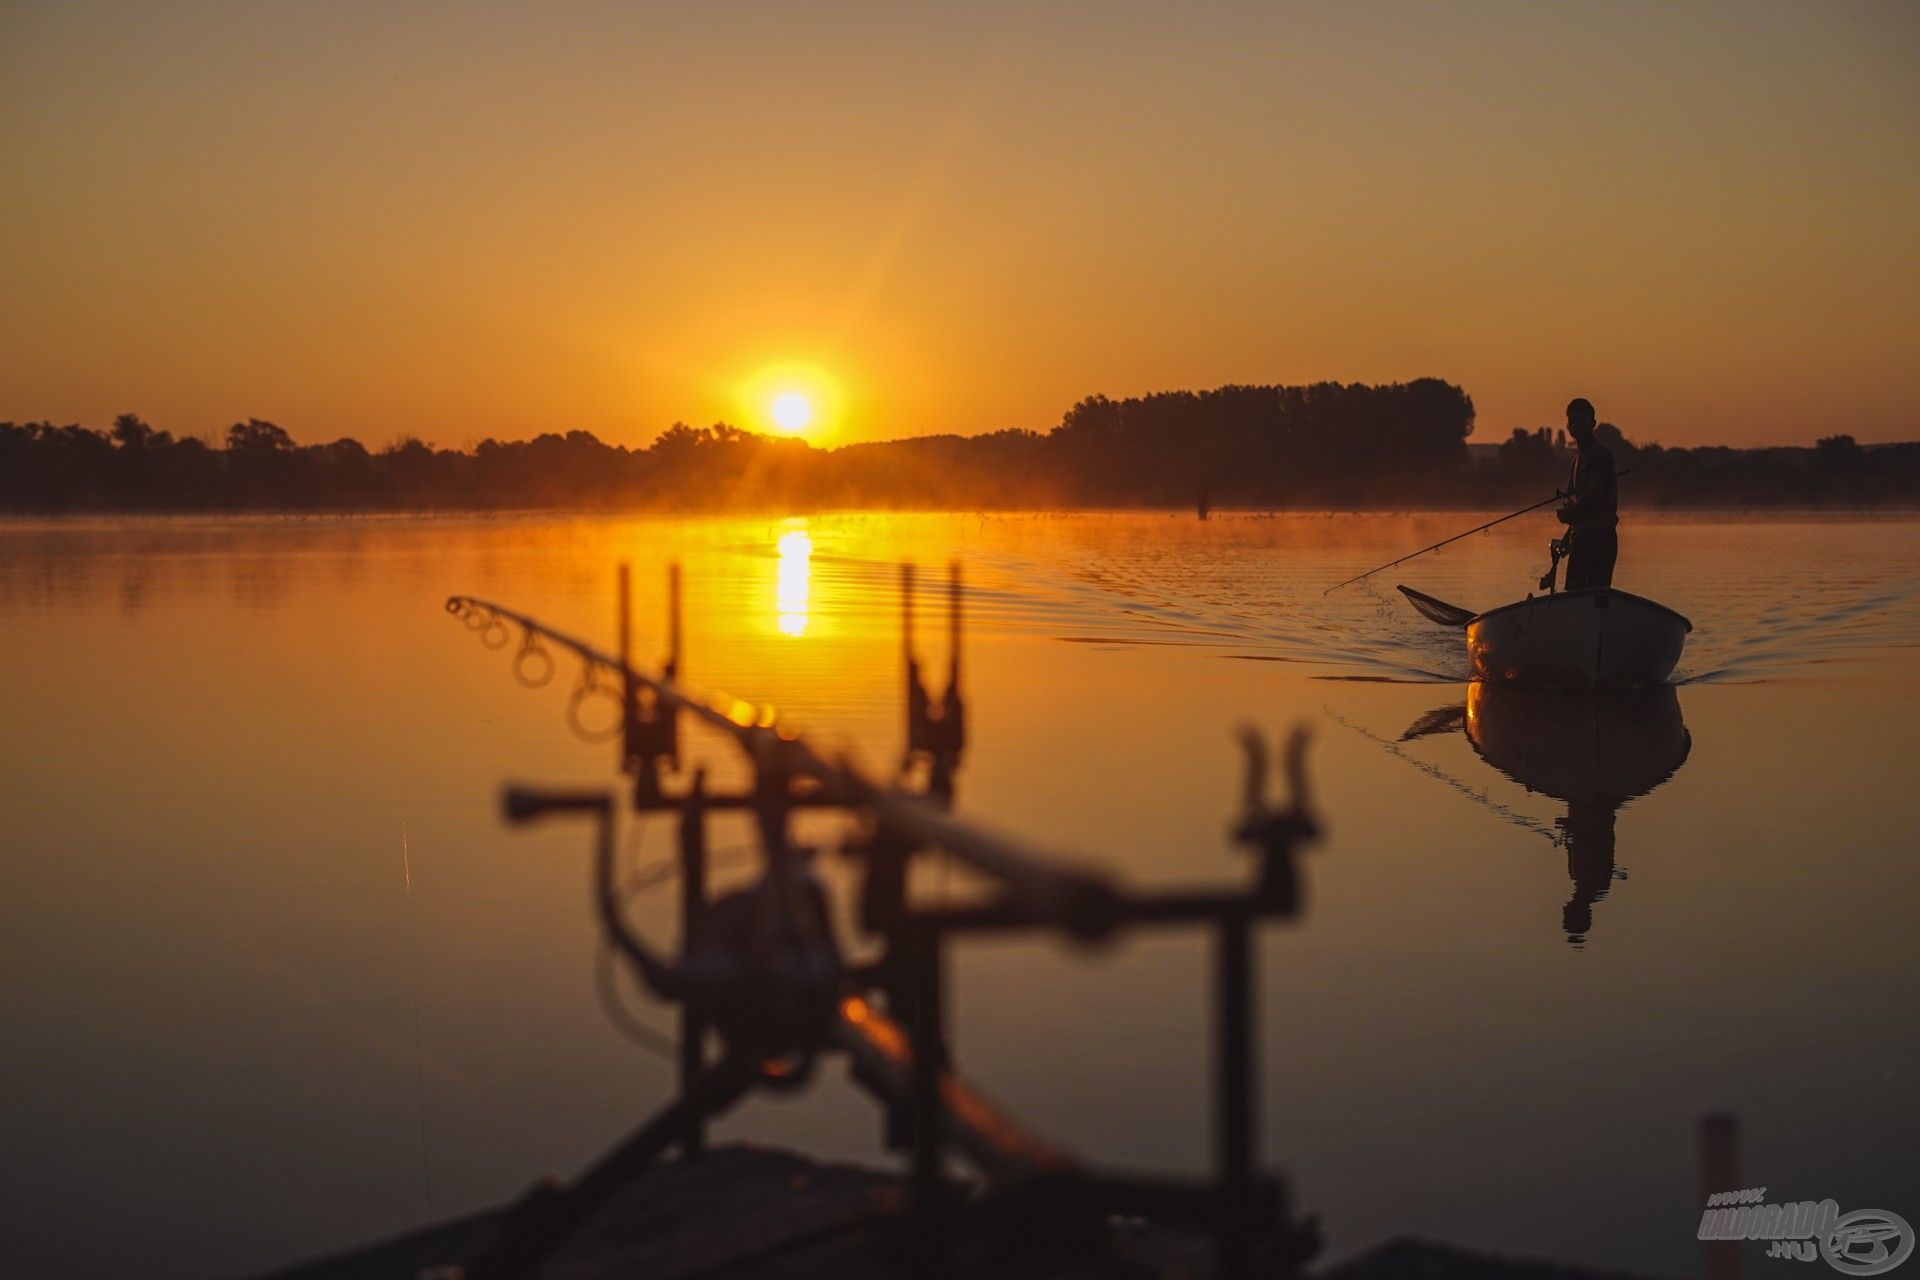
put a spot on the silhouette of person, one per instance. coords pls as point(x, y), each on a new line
point(1593, 753)
point(1591, 510)
point(1589, 838)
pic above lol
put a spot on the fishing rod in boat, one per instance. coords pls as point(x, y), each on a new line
point(1481, 528)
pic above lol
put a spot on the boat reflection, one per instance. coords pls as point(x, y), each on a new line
point(1591, 752)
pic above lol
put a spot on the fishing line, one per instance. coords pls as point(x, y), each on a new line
point(1512, 817)
point(639, 1033)
point(605, 975)
point(605, 985)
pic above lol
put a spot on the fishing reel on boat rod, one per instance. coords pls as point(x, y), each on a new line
point(1549, 581)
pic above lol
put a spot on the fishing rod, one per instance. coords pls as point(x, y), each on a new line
point(1042, 884)
point(759, 973)
point(1557, 497)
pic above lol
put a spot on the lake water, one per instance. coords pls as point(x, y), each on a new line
point(278, 981)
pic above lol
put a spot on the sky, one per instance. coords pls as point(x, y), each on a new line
point(465, 221)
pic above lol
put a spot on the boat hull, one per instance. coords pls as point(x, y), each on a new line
point(1597, 639)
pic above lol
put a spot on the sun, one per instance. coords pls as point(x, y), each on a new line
point(792, 412)
point(799, 399)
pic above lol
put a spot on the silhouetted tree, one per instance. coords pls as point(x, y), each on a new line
point(1325, 444)
point(256, 437)
point(1839, 452)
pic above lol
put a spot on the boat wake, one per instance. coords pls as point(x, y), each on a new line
point(1367, 633)
point(1845, 620)
point(1264, 617)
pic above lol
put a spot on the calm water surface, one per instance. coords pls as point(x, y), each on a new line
point(277, 980)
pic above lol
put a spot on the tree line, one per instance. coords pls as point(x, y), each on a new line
point(1321, 445)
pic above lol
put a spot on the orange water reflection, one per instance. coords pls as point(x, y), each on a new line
point(794, 580)
point(218, 733)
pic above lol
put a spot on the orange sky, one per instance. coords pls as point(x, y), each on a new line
point(475, 220)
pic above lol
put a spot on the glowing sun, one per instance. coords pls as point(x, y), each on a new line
point(794, 398)
point(792, 412)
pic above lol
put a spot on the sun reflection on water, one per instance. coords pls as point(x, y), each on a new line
point(792, 581)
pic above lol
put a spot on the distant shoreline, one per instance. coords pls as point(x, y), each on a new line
point(21, 519)
point(1317, 447)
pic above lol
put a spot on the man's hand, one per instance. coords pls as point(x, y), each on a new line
point(1565, 513)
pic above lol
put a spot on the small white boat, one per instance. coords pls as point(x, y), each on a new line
point(1602, 638)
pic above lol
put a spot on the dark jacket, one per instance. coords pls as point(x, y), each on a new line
point(1593, 491)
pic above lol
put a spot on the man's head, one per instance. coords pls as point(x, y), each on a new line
point(1580, 420)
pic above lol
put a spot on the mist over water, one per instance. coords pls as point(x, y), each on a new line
point(260, 904)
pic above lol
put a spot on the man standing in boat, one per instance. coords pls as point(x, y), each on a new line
point(1591, 510)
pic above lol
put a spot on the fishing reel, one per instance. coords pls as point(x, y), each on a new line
point(760, 964)
point(1549, 580)
point(762, 967)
